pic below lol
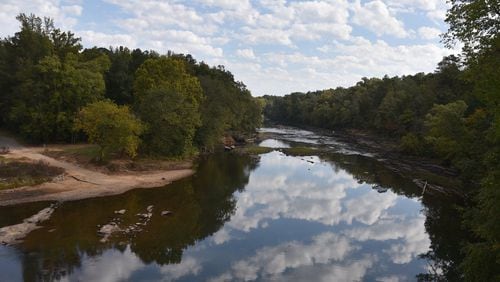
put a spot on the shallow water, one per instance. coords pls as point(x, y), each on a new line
point(278, 218)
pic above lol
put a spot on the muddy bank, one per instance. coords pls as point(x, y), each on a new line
point(72, 188)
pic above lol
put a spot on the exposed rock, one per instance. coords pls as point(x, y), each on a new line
point(13, 234)
point(120, 212)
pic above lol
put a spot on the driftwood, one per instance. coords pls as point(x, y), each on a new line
point(425, 185)
point(81, 180)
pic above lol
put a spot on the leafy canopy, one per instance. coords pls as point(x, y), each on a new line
point(110, 126)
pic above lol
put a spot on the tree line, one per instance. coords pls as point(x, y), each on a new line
point(128, 101)
point(452, 114)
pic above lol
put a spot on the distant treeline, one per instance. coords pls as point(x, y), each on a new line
point(452, 114)
point(434, 114)
point(53, 90)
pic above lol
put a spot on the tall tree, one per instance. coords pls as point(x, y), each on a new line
point(475, 23)
point(167, 99)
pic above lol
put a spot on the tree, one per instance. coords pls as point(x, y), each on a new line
point(476, 23)
point(167, 99)
point(110, 126)
point(45, 81)
point(445, 125)
point(46, 103)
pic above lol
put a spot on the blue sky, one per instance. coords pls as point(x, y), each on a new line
point(274, 46)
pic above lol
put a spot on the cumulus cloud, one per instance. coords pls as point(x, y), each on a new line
point(409, 233)
point(376, 16)
point(289, 193)
point(64, 15)
point(114, 265)
point(245, 53)
point(271, 263)
point(429, 33)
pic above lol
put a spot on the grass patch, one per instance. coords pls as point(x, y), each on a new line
point(145, 164)
point(300, 151)
point(82, 154)
point(86, 155)
point(17, 174)
point(254, 150)
point(89, 151)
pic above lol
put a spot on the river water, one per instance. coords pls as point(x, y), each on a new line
point(338, 217)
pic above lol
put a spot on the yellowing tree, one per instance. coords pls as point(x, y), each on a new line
point(110, 126)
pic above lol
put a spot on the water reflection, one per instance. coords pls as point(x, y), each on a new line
point(200, 204)
point(278, 218)
point(274, 143)
point(348, 227)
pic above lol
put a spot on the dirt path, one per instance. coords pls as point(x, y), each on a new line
point(78, 183)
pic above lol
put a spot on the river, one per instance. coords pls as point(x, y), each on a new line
point(339, 217)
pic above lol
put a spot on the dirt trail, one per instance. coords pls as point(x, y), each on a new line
point(78, 183)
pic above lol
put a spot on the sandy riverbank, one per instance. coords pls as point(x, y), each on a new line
point(79, 183)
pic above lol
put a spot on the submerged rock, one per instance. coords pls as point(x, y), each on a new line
point(107, 230)
point(164, 213)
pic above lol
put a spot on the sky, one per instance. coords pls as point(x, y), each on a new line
point(274, 46)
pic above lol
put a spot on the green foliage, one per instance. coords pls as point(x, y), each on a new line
point(111, 127)
point(412, 144)
point(48, 80)
point(120, 77)
point(446, 127)
point(475, 23)
point(482, 257)
point(254, 150)
point(167, 100)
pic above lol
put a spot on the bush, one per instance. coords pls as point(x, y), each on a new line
point(412, 144)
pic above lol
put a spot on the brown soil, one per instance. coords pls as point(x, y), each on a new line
point(80, 182)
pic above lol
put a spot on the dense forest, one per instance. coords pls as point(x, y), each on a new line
point(127, 101)
point(452, 115)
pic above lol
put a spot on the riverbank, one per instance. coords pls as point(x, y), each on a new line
point(427, 173)
point(78, 182)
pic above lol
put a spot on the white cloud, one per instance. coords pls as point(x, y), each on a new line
point(271, 263)
point(64, 16)
point(245, 53)
point(376, 17)
point(429, 33)
point(114, 265)
point(75, 10)
point(410, 233)
point(92, 38)
point(188, 266)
